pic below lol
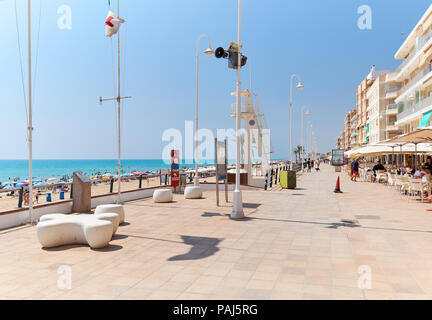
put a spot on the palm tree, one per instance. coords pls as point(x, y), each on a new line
point(298, 151)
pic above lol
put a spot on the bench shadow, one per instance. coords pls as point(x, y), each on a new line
point(109, 248)
point(124, 224)
point(202, 247)
point(215, 214)
point(119, 237)
point(251, 205)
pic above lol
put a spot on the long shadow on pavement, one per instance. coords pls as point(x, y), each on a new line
point(202, 247)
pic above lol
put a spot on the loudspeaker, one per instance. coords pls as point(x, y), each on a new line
point(220, 53)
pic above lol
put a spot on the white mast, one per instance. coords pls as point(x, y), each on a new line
point(118, 99)
point(30, 119)
point(118, 109)
point(237, 212)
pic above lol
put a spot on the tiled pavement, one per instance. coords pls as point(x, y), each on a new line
point(307, 243)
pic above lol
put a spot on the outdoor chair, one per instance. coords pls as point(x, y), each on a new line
point(402, 183)
point(381, 175)
point(362, 173)
point(391, 180)
point(415, 187)
point(368, 176)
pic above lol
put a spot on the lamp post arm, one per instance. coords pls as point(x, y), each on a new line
point(196, 180)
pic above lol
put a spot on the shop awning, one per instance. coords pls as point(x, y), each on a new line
point(423, 135)
point(425, 119)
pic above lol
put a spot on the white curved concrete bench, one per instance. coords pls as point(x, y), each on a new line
point(55, 230)
point(111, 208)
point(162, 195)
point(193, 192)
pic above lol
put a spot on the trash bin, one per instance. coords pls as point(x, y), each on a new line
point(61, 195)
point(292, 179)
point(48, 197)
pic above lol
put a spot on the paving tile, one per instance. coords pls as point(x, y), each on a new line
point(294, 249)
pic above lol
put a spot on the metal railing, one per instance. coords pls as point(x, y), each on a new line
point(393, 88)
point(422, 73)
point(421, 42)
point(51, 190)
point(408, 110)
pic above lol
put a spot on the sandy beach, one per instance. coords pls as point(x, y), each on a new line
point(11, 203)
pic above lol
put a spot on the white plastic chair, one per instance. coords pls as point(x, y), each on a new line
point(402, 183)
point(391, 180)
point(415, 187)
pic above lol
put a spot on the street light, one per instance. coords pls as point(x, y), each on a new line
point(237, 211)
point(299, 87)
point(302, 136)
point(235, 61)
point(208, 52)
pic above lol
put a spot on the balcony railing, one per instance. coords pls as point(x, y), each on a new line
point(391, 106)
point(405, 109)
point(426, 70)
point(421, 42)
point(393, 88)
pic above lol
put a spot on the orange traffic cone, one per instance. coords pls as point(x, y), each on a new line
point(337, 189)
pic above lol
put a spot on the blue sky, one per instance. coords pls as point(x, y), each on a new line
point(317, 39)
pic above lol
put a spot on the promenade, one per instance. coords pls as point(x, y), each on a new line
point(307, 243)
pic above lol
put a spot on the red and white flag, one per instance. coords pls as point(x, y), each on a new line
point(112, 24)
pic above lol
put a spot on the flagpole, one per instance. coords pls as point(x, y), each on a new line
point(118, 110)
point(30, 119)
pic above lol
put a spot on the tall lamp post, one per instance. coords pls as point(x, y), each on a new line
point(302, 136)
point(299, 87)
point(208, 52)
point(310, 140)
point(237, 212)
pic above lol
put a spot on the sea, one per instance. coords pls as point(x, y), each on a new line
point(45, 169)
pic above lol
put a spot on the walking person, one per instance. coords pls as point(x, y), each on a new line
point(355, 170)
point(309, 165)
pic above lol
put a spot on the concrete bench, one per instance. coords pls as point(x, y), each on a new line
point(162, 195)
point(55, 230)
point(111, 208)
point(193, 192)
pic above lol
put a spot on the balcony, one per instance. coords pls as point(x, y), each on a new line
point(419, 76)
point(391, 109)
point(392, 91)
point(405, 110)
point(392, 127)
point(420, 44)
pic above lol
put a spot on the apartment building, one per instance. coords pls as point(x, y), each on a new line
point(381, 109)
point(414, 100)
point(350, 120)
point(340, 141)
point(364, 105)
point(354, 133)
